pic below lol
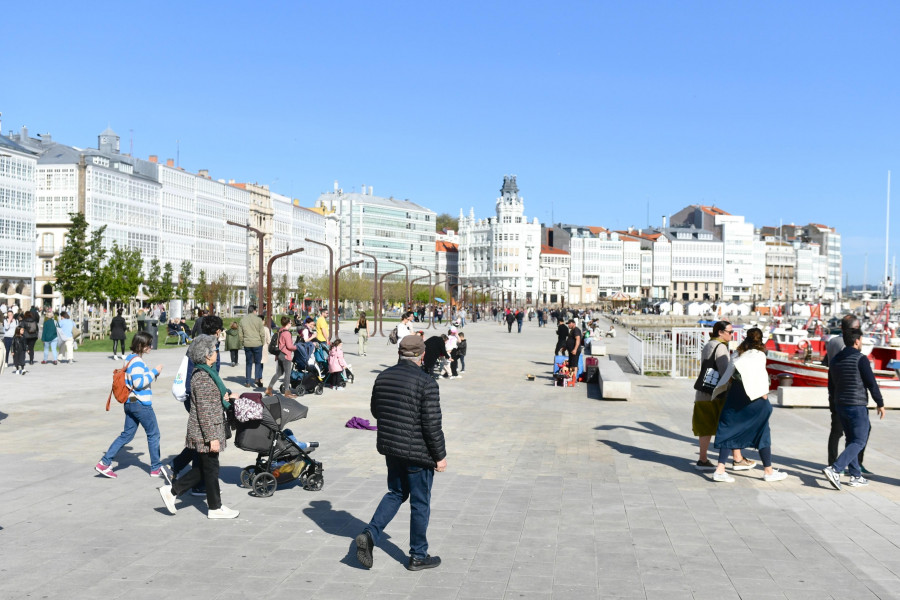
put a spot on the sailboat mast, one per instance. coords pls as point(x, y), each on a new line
point(887, 237)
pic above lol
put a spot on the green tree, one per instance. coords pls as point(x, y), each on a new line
point(153, 281)
point(94, 266)
point(73, 278)
point(166, 286)
point(121, 279)
point(201, 290)
point(282, 291)
point(446, 221)
point(183, 290)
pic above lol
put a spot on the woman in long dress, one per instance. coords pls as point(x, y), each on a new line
point(744, 421)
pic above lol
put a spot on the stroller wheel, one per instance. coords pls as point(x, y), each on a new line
point(314, 482)
point(320, 389)
point(264, 484)
point(247, 475)
point(300, 390)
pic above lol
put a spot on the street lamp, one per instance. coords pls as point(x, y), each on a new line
point(332, 315)
point(337, 287)
point(260, 237)
point(381, 294)
point(376, 307)
point(270, 313)
point(405, 268)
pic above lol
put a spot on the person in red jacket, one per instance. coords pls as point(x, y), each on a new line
point(286, 349)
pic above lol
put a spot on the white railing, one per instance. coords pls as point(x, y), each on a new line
point(674, 352)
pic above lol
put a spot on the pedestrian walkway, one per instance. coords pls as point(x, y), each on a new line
point(549, 493)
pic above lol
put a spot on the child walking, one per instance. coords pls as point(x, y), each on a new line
point(336, 365)
point(461, 351)
point(19, 349)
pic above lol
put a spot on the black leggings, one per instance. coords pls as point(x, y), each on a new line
point(120, 344)
point(207, 473)
point(765, 455)
point(30, 342)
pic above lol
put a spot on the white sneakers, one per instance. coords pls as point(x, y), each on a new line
point(776, 475)
point(223, 512)
point(168, 498)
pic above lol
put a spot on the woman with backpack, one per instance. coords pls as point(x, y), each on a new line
point(138, 408)
point(286, 349)
point(32, 329)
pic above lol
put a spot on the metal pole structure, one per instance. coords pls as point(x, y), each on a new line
point(429, 285)
point(436, 283)
point(261, 238)
point(419, 278)
point(332, 311)
point(376, 306)
point(406, 268)
point(337, 289)
point(381, 295)
point(270, 313)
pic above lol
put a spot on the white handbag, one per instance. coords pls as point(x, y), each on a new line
point(179, 386)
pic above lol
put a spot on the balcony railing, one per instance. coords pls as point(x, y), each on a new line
point(46, 251)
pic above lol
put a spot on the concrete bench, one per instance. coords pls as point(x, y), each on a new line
point(613, 382)
point(598, 349)
point(818, 397)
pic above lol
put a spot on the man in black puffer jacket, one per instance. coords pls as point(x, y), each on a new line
point(407, 404)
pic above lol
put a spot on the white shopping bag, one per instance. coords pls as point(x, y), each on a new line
point(178, 386)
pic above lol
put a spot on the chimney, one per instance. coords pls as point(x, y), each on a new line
point(371, 190)
point(203, 173)
point(363, 189)
point(664, 222)
point(170, 162)
point(335, 186)
point(24, 133)
point(154, 158)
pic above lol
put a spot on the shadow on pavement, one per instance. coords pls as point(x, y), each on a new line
point(342, 523)
point(676, 462)
point(3, 415)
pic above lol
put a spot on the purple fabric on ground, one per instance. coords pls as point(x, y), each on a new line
point(358, 423)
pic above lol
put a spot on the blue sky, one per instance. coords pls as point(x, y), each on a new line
point(777, 111)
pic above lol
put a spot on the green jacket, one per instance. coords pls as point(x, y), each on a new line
point(253, 331)
point(49, 334)
point(233, 339)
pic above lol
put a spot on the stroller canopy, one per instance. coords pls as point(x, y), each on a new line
point(280, 411)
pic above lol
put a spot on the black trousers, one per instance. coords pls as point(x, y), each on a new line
point(119, 344)
point(208, 473)
point(560, 345)
point(30, 342)
point(234, 356)
point(187, 455)
point(837, 431)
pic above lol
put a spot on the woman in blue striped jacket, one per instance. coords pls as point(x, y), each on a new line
point(138, 408)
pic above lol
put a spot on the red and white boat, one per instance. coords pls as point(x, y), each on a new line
point(814, 374)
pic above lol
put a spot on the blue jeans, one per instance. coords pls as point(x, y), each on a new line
point(253, 356)
point(855, 421)
point(137, 413)
point(51, 346)
point(404, 481)
point(182, 337)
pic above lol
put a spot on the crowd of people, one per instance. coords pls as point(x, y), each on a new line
point(22, 329)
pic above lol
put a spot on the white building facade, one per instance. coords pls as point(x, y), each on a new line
point(387, 228)
point(503, 251)
point(554, 278)
point(18, 167)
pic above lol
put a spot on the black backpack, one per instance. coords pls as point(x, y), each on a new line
point(30, 327)
point(394, 337)
point(273, 344)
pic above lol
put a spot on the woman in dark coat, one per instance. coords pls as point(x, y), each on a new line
point(117, 329)
point(562, 333)
point(205, 430)
point(32, 332)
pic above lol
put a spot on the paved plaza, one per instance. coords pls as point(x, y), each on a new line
point(549, 493)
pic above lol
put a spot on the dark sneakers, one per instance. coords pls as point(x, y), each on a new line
point(429, 562)
point(364, 546)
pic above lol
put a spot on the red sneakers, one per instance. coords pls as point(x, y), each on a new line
point(105, 470)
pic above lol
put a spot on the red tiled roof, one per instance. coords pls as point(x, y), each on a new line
point(597, 230)
point(446, 247)
point(545, 249)
point(713, 210)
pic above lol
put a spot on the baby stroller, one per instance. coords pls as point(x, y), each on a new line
point(280, 459)
point(307, 374)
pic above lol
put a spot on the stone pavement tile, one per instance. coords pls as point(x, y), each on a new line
point(527, 595)
point(668, 594)
point(530, 582)
point(563, 574)
point(481, 589)
point(337, 590)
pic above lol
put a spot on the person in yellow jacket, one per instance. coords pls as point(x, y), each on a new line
point(322, 332)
